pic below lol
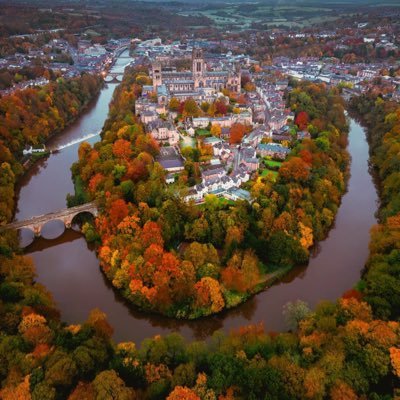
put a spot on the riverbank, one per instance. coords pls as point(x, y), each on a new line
point(28, 162)
point(380, 281)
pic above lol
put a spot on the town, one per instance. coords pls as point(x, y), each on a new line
point(226, 108)
point(240, 134)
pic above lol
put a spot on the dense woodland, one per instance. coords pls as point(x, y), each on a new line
point(29, 117)
point(381, 279)
point(343, 350)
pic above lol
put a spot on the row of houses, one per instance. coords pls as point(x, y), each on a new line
point(216, 182)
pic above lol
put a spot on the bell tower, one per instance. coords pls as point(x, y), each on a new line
point(157, 79)
point(198, 64)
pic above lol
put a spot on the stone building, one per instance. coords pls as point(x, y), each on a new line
point(199, 83)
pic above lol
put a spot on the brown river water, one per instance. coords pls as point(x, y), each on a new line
point(70, 270)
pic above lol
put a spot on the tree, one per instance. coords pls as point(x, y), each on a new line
point(83, 391)
point(190, 108)
point(209, 294)
point(174, 104)
point(98, 320)
point(61, 369)
point(237, 132)
point(220, 107)
point(118, 211)
point(108, 385)
point(302, 120)
point(216, 130)
point(294, 313)
point(122, 149)
point(183, 393)
point(295, 169)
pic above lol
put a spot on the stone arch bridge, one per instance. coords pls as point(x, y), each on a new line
point(114, 77)
point(66, 215)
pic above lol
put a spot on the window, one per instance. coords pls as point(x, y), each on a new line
point(198, 66)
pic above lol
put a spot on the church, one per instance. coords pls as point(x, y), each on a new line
point(199, 83)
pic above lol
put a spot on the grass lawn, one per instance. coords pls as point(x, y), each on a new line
point(203, 132)
point(187, 142)
point(272, 164)
point(273, 174)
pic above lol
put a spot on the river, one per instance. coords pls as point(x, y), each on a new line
point(70, 270)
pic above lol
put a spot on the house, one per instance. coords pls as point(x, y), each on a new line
point(163, 131)
point(251, 163)
point(148, 116)
point(212, 141)
point(221, 148)
point(191, 131)
point(170, 178)
point(281, 136)
point(201, 122)
point(255, 137)
point(274, 150)
point(303, 135)
point(33, 150)
point(213, 172)
point(170, 159)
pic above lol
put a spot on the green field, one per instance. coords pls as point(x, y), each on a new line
point(273, 174)
point(242, 16)
point(203, 132)
point(272, 164)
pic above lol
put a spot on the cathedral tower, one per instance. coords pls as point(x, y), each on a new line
point(157, 79)
point(198, 64)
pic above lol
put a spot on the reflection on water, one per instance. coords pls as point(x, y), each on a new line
point(70, 269)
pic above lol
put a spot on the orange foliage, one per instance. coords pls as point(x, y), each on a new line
point(306, 156)
point(302, 120)
point(237, 132)
point(352, 294)
point(395, 360)
point(295, 169)
point(41, 350)
point(151, 234)
point(137, 170)
point(20, 392)
point(233, 279)
point(356, 309)
point(118, 211)
point(122, 149)
point(94, 181)
point(209, 294)
point(183, 393)
point(228, 396)
point(341, 391)
point(155, 372)
point(83, 391)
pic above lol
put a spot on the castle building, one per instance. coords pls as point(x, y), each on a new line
point(199, 83)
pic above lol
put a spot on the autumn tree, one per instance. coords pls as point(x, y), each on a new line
point(302, 120)
point(237, 131)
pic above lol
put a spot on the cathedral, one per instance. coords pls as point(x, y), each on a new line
point(198, 83)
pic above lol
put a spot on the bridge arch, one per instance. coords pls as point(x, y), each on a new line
point(70, 222)
point(35, 224)
point(113, 77)
point(26, 237)
point(52, 229)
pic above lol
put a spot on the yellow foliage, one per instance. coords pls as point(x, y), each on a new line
point(395, 360)
point(307, 238)
point(128, 347)
point(74, 329)
point(30, 321)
